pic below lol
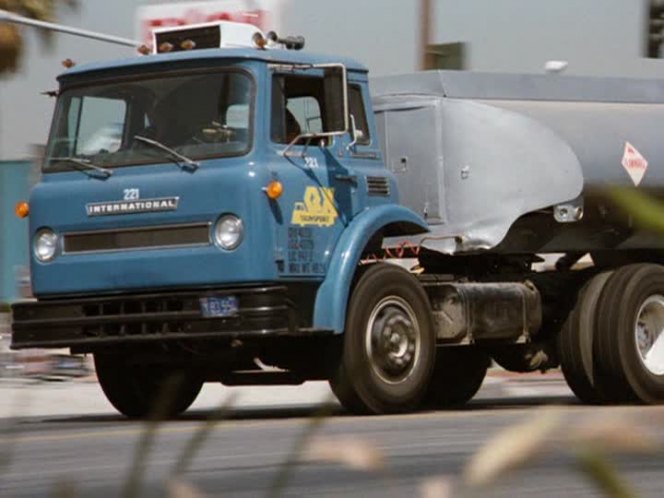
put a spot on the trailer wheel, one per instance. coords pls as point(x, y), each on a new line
point(134, 389)
point(388, 346)
point(575, 342)
point(457, 376)
point(630, 334)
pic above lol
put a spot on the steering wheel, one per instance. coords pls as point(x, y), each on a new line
point(215, 132)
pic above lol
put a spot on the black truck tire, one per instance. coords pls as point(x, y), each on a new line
point(630, 334)
point(389, 345)
point(457, 376)
point(136, 390)
point(575, 342)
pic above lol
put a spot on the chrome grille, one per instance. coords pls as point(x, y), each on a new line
point(378, 185)
point(197, 234)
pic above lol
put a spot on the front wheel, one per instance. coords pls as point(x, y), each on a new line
point(389, 344)
point(138, 391)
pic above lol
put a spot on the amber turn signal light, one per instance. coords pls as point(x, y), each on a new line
point(22, 209)
point(274, 190)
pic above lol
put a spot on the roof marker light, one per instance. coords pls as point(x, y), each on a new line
point(165, 47)
point(188, 44)
point(259, 40)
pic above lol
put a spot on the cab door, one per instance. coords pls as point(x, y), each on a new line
point(319, 198)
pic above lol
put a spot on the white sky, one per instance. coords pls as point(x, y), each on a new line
point(597, 37)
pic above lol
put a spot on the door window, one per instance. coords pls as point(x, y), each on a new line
point(298, 106)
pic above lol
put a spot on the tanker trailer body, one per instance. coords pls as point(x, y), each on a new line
point(508, 167)
point(518, 163)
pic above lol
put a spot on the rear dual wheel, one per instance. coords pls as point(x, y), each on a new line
point(630, 335)
point(575, 342)
point(612, 344)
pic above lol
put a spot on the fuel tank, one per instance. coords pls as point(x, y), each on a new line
point(522, 163)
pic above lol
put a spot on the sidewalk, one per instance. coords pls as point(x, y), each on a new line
point(29, 398)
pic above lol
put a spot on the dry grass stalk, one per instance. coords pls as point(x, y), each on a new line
point(511, 448)
point(202, 434)
point(352, 453)
point(440, 487)
point(177, 488)
point(288, 467)
point(613, 435)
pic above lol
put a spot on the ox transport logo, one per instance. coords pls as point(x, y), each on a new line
point(317, 208)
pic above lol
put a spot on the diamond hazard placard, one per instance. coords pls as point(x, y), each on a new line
point(635, 164)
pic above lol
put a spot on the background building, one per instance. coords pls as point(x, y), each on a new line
point(596, 37)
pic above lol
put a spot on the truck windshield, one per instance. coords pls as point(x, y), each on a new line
point(197, 115)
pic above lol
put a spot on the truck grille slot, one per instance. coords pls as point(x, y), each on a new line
point(138, 238)
point(88, 322)
point(378, 185)
point(139, 317)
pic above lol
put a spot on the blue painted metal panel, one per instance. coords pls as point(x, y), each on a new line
point(202, 57)
point(332, 297)
point(14, 185)
point(218, 187)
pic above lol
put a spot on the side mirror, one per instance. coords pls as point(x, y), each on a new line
point(336, 98)
point(355, 133)
point(335, 94)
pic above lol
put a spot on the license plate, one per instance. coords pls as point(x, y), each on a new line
point(216, 307)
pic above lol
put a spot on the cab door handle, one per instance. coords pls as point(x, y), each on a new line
point(346, 178)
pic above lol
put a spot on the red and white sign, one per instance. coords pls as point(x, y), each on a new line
point(265, 14)
point(635, 164)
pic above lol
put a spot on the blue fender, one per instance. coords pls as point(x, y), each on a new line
point(332, 296)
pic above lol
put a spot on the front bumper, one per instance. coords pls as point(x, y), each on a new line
point(86, 323)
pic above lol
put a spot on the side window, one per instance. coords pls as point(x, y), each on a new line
point(306, 111)
point(100, 125)
point(356, 106)
point(298, 106)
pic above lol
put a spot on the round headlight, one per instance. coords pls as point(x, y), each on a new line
point(45, 244)
point(228, 232)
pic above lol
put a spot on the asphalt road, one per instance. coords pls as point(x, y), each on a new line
point(245, 454)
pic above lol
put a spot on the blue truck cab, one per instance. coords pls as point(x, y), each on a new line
point(205, 212)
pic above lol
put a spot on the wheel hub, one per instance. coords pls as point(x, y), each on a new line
point(649, 334)
point(392, 339)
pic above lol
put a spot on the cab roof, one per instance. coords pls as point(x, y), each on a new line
point(271, 56)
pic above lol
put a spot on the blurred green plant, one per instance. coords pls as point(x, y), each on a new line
point(11, 37)
point(646, 211)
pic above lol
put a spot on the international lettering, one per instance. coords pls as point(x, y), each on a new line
point(132, 207)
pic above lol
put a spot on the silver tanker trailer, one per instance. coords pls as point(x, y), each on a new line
point(509, 167)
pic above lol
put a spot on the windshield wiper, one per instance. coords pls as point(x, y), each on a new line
point(183, 161)
point(85, 166)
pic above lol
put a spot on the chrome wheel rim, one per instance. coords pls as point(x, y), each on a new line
point(649, 334)
point(393, 340)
